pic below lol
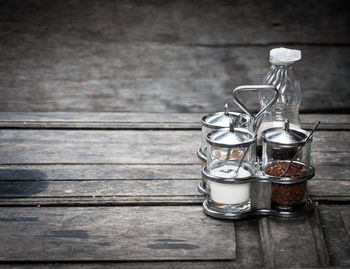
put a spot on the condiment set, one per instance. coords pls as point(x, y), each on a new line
point(236, 182)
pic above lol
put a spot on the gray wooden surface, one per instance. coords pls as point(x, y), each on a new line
point(81, 204)
point(173, 56)
point(80, 189)
point(131, 146)
point(113, 233)
point(134, 120)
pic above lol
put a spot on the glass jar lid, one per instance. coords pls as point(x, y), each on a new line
point(223, 119)
point(231, 137)
point(285, 136)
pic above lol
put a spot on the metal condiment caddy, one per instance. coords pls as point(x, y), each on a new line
point(238, 185)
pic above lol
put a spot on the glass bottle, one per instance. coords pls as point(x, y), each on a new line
point(282, 76)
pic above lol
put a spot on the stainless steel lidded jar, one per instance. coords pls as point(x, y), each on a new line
point(287, 156)
point(231, 162)
point(227, 149)
point(219, 120)
point(216, 121)
point(282, 144)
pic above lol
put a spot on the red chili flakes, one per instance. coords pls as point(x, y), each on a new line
point(287, 194)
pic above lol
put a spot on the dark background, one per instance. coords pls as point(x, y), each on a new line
point(166, 56)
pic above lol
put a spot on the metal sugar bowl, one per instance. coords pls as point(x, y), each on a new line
point(216, 121)
point(287, 162)
point(231, 162)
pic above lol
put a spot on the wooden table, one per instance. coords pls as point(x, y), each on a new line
point(87, 190)
point(90, 190)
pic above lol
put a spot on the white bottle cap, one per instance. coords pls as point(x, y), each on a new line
point(284, 56)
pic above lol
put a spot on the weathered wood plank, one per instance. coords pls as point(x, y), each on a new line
point(248, 255)
point(131, 192)
point(296, 242)
point(104, 201)
point(329, 190)
point(331, 172)
point(319, 239)
point(345, 215)
point(99, 188)
point(173, 184)
point(131, 184)
point(101, 120)
point(328, 121)
point(141, 172)
point(127, 56)
point(132, 147)
point(99, 172)
point(193, 80)
point(56, 146)
point(131, 120)
point(335, 233)
point(220, 23)
point(114, 233)
point(130, 265)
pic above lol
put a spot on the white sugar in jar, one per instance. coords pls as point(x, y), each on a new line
point(225, 193)
point(230, 167)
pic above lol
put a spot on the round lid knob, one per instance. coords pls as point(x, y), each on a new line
point(285, 136)
point(223, 119)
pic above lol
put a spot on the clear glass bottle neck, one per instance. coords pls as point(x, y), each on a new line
point(282, 66)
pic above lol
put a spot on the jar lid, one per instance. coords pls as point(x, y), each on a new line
point(285, 136)
point(230, 137)
point(223, 119)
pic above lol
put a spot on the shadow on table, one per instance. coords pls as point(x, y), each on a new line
point(15, 183)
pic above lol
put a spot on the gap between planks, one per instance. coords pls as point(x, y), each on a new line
point(139, 121)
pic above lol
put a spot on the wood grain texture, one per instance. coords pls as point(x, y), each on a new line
point(133, 192)
point(123, 147)
point(319, 239)
point(248, 256)
point(169, 177)
point(100, 120)
point(131, 184)
point(137, 183)
point(114, 233)
point(83, 172)
point(220, 23)
point(165, 57)
point(132, 147)
point(345, 215)
point(100, 188)
point(335, 233)
point(131, 171)
point(329, 190)
point(296, 242)
point(72, 120)
point(123, 80)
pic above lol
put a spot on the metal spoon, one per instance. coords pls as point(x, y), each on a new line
point(298, 151)
point(233, 125)
point(245, 151)
point(241, 161)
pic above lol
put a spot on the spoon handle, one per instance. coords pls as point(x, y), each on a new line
point(241, 161)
